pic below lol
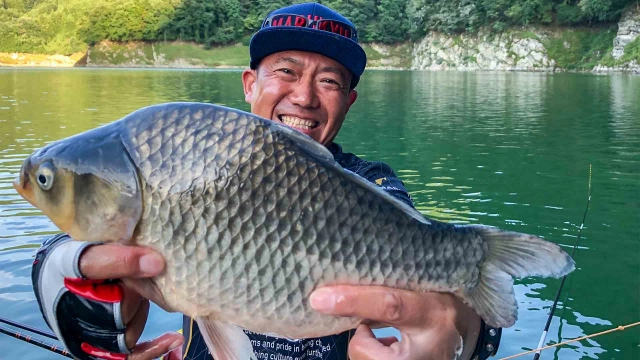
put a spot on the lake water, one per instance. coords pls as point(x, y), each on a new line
point(506, 149)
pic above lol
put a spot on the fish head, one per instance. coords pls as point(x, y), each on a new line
point(87, 185)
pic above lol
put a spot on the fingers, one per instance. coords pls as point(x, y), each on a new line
point(390, 306)
point(136, 325)
point(365, 346)
point(130, 304)
point(388, 341)
point(175, 354)
point(113, 261)
point(429, 321)
point(157, 347)
point(430, 345)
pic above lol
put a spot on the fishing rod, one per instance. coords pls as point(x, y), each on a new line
point(555, 302)
point(27, 338)
point(28, 328)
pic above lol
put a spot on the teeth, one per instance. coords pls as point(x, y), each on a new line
point(298, 123)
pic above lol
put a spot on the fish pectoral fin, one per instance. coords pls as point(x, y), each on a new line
point(225, 341)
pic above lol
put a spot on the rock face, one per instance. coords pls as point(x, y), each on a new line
point(632, 67)
point(31, 60)
point(135, 54)
point(518, 51)
point(628, 30)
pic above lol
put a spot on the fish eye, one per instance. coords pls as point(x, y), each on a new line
point(44, 176)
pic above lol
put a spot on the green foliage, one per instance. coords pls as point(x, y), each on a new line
point(64, 27)
point(393, 55)
point(206, 22)
point(569, 14)
point(580, 49)
point(42, 26)
point(632, 51)
point(469, 15)
point(236, 55)
point(372, 54)
point(470, 59)
point(526, 35)
point(603, 10)
point(126, 21)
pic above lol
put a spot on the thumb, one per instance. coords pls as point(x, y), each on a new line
point(157, 347)
point(364, 345)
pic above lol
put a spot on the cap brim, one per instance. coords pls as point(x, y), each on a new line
point(345, 51)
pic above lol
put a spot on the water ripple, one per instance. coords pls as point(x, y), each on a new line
point(502, 149)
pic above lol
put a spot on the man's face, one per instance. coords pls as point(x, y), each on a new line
point(306, 91)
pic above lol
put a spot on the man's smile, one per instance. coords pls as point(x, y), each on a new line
point(298, 123)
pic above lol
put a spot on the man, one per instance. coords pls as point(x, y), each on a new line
point(305, 65)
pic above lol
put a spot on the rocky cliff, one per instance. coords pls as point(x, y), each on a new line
point(520, 51)
point(536, 49)
point(627, 40)
point(628, 31)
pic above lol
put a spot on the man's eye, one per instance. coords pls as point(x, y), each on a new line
point(332, 82)
point(286, 71)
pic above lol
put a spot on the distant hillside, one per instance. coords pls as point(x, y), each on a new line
point(71, 26)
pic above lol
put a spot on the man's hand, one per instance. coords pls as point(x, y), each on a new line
point(431, 324)
point(94, 297)
point(131, 265)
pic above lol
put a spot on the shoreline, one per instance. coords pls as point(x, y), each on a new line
point(608, 49)
point(83, 60)
point(595, 71)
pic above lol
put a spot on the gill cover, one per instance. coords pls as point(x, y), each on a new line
point(95, 195)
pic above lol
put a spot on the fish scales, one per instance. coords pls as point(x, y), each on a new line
point(311, 245)
point(252, 217)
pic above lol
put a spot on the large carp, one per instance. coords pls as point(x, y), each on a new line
point(252, 216)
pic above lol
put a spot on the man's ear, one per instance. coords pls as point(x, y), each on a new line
point(249, 78)
point(351, 98)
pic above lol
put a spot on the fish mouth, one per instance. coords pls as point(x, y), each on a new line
point(298, 123)
point(22, 183)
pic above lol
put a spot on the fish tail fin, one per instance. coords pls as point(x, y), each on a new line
point(512, 255)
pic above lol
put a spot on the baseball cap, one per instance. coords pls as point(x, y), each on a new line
point(310, 27)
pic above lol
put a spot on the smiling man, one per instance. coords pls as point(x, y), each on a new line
point(305, 65)
point(303, 90)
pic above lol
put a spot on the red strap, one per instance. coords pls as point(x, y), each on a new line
point(101, 354)
point(94, 289)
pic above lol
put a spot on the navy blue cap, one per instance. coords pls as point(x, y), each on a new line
point(273, 37)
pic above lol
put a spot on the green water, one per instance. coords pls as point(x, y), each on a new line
point(503, 149)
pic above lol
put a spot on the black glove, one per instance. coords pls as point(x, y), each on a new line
point(84, 314)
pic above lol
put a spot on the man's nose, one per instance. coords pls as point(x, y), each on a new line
point(304, 95)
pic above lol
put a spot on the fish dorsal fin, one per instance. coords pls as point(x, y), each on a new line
point(310, 146)
point(325, 157)
point(385, 195)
